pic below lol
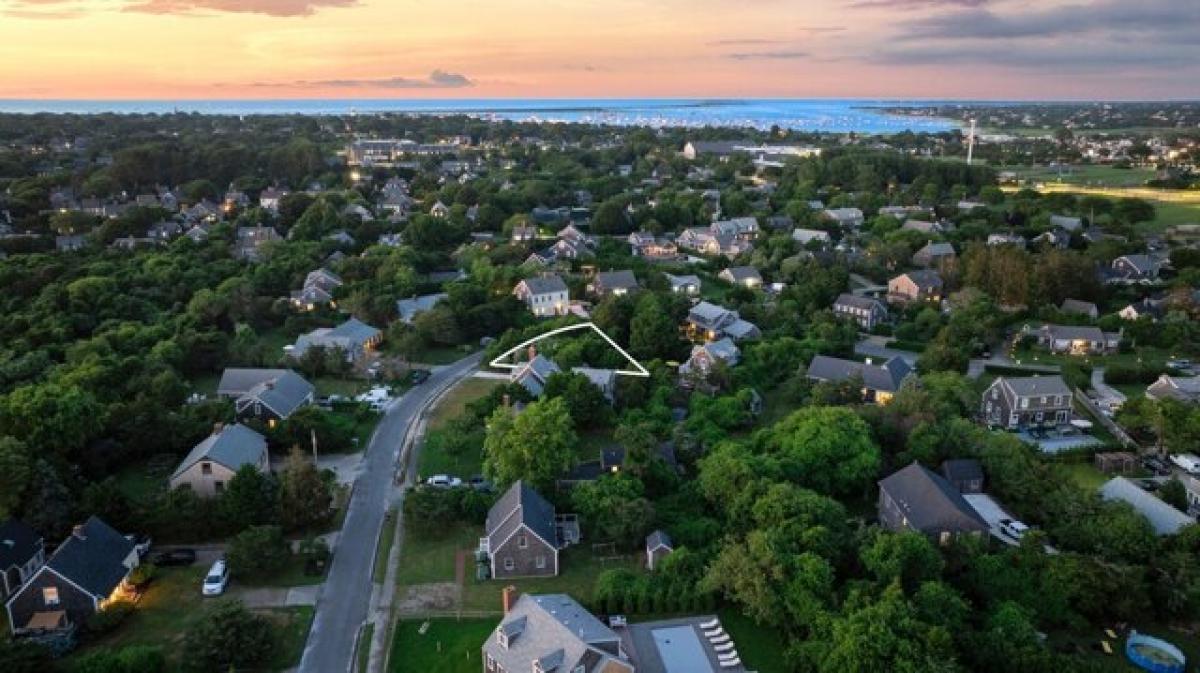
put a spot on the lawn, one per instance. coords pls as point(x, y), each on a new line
point(1172, 206)
point(455, 401)
point(429, 556)
point(435, 460)
point(291, 635)
point(759, 647)
point(578, 566)
point(291, 575)
point(448, 646)
point(142, 481)
point(1086, 475)
point(1089, 175)
point(387, 537)
point(442, 356)
point(1089, 642)
point(334, 385)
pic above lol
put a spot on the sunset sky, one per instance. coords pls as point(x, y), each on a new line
point(997, 49)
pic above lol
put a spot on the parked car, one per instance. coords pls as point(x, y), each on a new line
point(1013, 528)
point(174, 557)
point(443, 481)
point(479, 483)
point(1156, 465)
point(1187, 462)
point(216, 580)
point(141, 544)
point(418, 376)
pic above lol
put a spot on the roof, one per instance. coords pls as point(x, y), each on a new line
point(18, 544)
point(741, 273)
point(1165, 519)
point(1074, 332)
point(923, 278)
point(683, 281)
point(855, 301)
point(962, 469)
point(1182, 388)
point(1078, 306)
point(887, 377)
point(409, 308)
point(928, 502)
point(557, 632)
point(520, 504)
point(282, 394)
point(232, 446)
point(937, 249)
point(354, 330)
point(534, 373)
point(237, 381)
point(1036, 386)
point(545, 284)
point(614, 280)
point(659, 538)
point(93, 558)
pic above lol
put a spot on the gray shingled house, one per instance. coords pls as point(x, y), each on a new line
point(552, 633)
point(964, 474)
point(267, 395)
point(918, 499)
point(1033, 401)
point(880, 382)
point(523, 535)
point(86, 570)
point(866, 311)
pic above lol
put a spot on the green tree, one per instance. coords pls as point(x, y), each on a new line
point(615, 505)
point(585, 402)
point(250, 499)
point(828, 449)
point(258, 551)
point(611, 218)
point(537, 445)
point(909, 558)
point(15, 470)
point(226, 636)
point(652, 334)
point(305, 496)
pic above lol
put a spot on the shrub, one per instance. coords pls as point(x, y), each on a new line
point(108, 619)
point(131, 659)
point(227, 636)
point(142, 575)
point(258, 551)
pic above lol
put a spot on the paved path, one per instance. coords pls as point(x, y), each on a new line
point(1106, 392)
point(344, 602)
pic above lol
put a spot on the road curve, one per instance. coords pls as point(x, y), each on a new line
point(346, 595)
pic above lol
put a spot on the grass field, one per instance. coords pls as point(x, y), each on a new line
point(456, 400)
point(1088, 175)
point(429, 556)
point(760, 648)
point(434, 460)
point(291, 634)
point(448, 646)
point(578, 566)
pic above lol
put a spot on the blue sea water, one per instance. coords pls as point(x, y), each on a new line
point(833, 116)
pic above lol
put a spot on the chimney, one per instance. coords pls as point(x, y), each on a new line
point(532, 351)
point(509, 597)
point(77, 531)
point(506, 400)
point(218, 427)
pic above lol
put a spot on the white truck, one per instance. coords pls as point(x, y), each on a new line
point(1188, 462)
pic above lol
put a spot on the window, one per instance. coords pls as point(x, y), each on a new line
point(1024, 402)
point(50, 595)
point(509, 564)
point(541, 561)
point(206, 468)
point(491, 663)
point(522, 541)
point(219, 486)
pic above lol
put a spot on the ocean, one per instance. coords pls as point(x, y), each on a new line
point(830, 116)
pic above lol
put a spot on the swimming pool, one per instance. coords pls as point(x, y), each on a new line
point(681, 650)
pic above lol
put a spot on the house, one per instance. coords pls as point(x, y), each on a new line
point(964, 474)
point(266, 395)
point(1032, 401)
point(1055, 238)
point(743, 228)
point(573, 234)
point(880, 382)
point(866, 311)
point(968, 206)
point(440, 210)
point(688, 284)
point(86, 571)
point(705, 357)
point(1065, 222)
point(1077, 307)
point(902, 213)
point(916, 498)
point(210, 465)
point(654, 249)
point(1135, 268)
point(805, 236)
point(1180, 388)
point(1006, 239)
point(533, 373)
point(22, 552)
point(710, 322)
point(70, 243)
point(270, 197)
point(923, 285)
point(523, 233)
point(658, 547)
point(318, 289)
point(523, 535)
point(1151, 308)
point(746, 276)
point(780, 222)
point(353, 337)
point(924, 227)
point(551, 633)
point(409, 309)
point(604, 379)
point(546, 296)
point(1077, 340)
point(933, 254)
point(849, 218)
point(615, 283)
point(705, 241)
point(1165, 519)
point(250, 241)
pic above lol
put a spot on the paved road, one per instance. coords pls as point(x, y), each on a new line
point(346, 596)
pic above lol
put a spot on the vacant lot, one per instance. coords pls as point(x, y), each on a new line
point(447, 646)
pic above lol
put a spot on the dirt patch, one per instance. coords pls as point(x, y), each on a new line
point(420, 598)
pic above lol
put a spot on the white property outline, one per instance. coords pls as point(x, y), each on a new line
point(641, 371)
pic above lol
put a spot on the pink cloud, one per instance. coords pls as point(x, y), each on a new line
point(268, 7)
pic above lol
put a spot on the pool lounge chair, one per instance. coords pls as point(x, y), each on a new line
point(709, 633)
point(719, 640)
point(731, 663)
point(725, 647)
point(727, 657)
point(710, 625)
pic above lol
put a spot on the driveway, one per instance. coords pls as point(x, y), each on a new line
point(346, 596)
point(874, 347)
point(1113, 397)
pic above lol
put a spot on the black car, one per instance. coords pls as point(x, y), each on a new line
point(418, 376)
point(174, 557)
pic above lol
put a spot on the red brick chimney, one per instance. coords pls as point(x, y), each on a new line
point(509, 596)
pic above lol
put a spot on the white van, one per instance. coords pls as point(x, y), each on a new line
point(216, 580)
point(1187, 462)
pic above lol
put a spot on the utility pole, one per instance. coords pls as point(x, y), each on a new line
point(314, 444)
point(971, 144)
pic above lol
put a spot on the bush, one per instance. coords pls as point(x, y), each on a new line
point(258, 551)
point(227, 636)
point(108, 619)
point(131, 659)
point(1135, 373)
point(18, 656)
point(142, 575)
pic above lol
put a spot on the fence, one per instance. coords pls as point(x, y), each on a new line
point(1108, 423)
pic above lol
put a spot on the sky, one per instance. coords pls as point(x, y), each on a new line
point(971, 49)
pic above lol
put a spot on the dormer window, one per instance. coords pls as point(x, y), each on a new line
point(522, 541)
point(502, 638)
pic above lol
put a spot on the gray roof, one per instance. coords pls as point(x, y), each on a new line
point(613, 280)
point(520, 504)
point(962, 469)
point(93, 558)
point(232, 446)
point(237, 381)
point(937, 249)
point(929, 502)
point(1078, 306)
point(18, 544)
point(659, 538)
point(1182, 388)
point(925, 278)
point(534, 373)
point(887, 377)
point(545, 284)
point(557, 632)
point(1074, 332)
point(282, 394)
point(855, 301)
point(741, 273)
point(1165, 519)
point(1036, 386)
point(409, 308)
point(355, 331)
point(683, 281)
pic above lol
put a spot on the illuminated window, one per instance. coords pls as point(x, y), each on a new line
point(50, 595)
